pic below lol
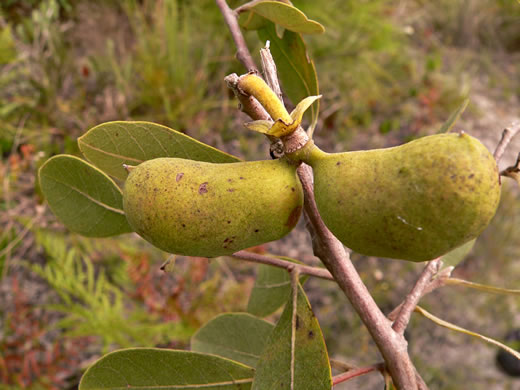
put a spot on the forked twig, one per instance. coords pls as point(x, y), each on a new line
point(412, 299)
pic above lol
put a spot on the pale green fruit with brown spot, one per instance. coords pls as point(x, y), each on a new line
point(415, 202)
point(202, 209)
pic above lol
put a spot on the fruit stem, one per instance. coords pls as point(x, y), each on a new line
point(128, 168)
point(255, 86)
point(308, 153)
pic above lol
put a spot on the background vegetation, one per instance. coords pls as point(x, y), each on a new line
point(389, 71)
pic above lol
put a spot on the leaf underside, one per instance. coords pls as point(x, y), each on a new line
point(151, 368)
point(112, 144)
point(86, 200)
point(311, 363)
point(237, 336)
point(271, 290)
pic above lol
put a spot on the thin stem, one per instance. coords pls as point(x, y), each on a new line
point(350, 374)
point(507, 135)
point(412, 299)
point(441, 279)
point(275, 262)
point(243, 54)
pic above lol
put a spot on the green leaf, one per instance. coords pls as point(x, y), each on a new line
point(251, 21)
point(454, 257)
point(456, 328)
point(282, 14)
point(237, 336)
point(112, 144)
point(271, 290)
point(296, 71)
point(311, 362)
point(152, 368)
point(454, 117)
point(86, 200)
point(482, 287)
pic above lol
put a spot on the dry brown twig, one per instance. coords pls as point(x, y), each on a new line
point(507, 135)
point(243, 54)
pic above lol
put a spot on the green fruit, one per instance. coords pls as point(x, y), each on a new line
point(197, 208)
point(414, 202)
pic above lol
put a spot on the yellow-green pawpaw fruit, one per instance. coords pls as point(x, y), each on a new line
point(202, 209)
point(414, 202)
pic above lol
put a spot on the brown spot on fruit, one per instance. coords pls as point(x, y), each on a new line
point(310, 334)
point(294, 217)
point(338, 163)
point(230, 190)
point(297, 322)
point(256, 230)
point(203, 188)
point(179, 177)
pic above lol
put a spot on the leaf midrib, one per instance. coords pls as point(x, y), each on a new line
point(188, 386)
point(99, 203)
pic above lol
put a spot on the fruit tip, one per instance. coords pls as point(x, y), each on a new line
point(128, 168)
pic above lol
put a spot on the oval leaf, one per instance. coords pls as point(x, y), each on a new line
point(282, 14)
point(296, 71)
point(112, 144)
point(151, 368)
point(237, 336)
point(86, 200)
point(271, 290)
point(311, 361)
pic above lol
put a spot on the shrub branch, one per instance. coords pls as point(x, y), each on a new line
point(391, 344)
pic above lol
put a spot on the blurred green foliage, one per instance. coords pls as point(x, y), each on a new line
point(92, 305)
